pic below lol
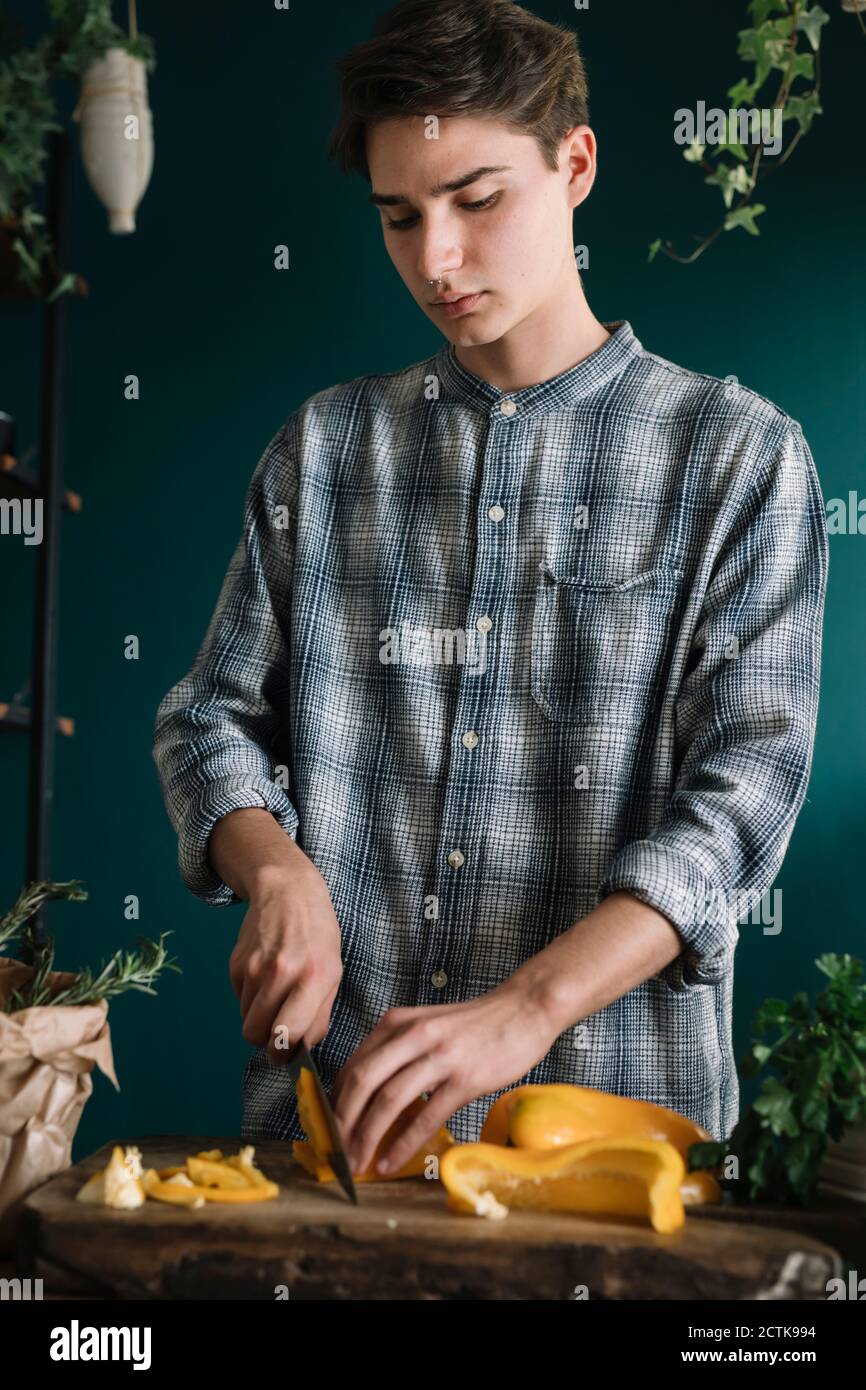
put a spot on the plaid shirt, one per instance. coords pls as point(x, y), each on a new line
point(490, 656)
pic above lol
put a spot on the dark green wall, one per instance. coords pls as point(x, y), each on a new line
point(243, 100)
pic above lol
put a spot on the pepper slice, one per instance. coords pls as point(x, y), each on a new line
point(181, 1194)
point(205, 1172)
point(622, 1177)
point(548, 1116)
point(311, 1153)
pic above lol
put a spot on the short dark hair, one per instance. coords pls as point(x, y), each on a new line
point(488, 58)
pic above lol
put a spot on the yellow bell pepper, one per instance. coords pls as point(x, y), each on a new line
point(549, 1116)
point(617, 1177)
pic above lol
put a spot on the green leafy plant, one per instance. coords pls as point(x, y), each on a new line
point(782, 47)
point(82, 31)
point(125, 970)
point(820, 1089)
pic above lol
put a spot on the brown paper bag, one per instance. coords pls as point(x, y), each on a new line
point(46, 1056)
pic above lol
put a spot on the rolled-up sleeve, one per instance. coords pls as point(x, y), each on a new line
point(216, 729)
point(745, 719)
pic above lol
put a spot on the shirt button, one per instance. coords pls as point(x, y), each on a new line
point(484, 624)
point(496, 513)
point(507, 407)
point(439, 979)
point(470, 739)
point(455, 858)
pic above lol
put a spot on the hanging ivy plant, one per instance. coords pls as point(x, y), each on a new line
point(82, 31)
point(782, 47)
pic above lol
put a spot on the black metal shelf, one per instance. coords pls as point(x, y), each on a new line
point(40, 720)
point(16, 719)
point(18, 481)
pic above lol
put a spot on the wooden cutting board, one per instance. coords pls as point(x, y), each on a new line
point(400, 1242)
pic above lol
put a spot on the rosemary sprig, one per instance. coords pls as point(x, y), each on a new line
point(127, 969)
point(29, 901)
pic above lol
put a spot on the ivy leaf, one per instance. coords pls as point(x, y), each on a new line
point(742, 92)
point(764, 46)
point(722, 178)
point(803, 110)
point(731, 181)
point(810, 23)
point(26, 258)
point(654, 248)
point(64, 286)
point(759, 10)
point(733, 148)
point(799, 65)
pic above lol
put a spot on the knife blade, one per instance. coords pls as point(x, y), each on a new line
point(300, 1057)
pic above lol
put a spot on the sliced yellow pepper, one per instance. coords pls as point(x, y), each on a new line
point(195, 1195)
point(556, 1114)
point(206, 1173)
point(179, 1194)
point(619, 1177)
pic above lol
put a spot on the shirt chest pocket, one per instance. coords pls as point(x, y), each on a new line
point(600, 650)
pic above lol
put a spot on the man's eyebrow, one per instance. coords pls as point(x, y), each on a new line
point(387, 199)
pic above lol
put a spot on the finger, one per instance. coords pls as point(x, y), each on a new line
point(420, 1130)
point(291, 1019)
point(273, 997)
point(268, 980)
point(318, 1029)
point(369, 1067)
point(236, 975)
point(387, 1105)
point(248, 991)
point(386, 1027)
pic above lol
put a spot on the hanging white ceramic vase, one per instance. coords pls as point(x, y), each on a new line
point(116, 134)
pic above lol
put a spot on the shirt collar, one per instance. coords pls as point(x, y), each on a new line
point(559, 392)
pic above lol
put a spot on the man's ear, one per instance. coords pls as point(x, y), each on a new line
point(578, 153)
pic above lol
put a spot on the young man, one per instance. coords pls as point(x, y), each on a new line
point(506, 711)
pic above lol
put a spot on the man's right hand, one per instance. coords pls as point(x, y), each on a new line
point(285, 967)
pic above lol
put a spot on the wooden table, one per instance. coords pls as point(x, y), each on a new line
point(402, 1242)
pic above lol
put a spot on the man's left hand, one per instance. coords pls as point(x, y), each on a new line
point(455, 1052)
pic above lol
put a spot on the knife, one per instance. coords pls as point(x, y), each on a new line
point(300, 1057)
